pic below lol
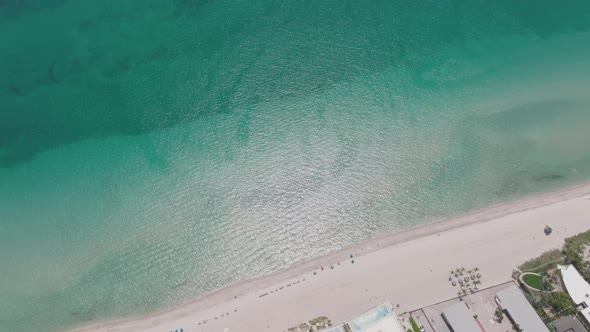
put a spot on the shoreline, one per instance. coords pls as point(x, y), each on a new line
point(248, 291)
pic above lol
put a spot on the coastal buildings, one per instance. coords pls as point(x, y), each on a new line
point(479, 308)
point(460, 318)
point(519, 310)
point(577, 288)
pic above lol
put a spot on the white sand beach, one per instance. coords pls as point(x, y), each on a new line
point(410, 268)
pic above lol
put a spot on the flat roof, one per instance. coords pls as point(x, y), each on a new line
point(576, 286)
point(460, 318)
point(569, 324)
point(520, 310)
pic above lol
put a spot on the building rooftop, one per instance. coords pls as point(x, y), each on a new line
point(520, 310)
point(460, 318)
point(576, 286)
point(569, 324)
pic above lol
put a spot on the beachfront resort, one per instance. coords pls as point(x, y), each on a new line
point(547, 293)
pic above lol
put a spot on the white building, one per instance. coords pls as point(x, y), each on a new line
point(577, 288)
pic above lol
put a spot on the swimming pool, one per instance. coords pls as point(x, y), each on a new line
point(334, 329)
point(368, 318)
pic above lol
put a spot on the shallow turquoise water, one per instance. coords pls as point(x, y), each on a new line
point(368, 318)
point(151, 151)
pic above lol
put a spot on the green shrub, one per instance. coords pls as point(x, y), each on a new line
point(572, 250)
point(542, 263)
point(414, 325)
point(499, 314)
point(577, 241)
point(560, 303)
point(547, 286)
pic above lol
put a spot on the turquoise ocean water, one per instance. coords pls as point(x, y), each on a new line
point(154, 150)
